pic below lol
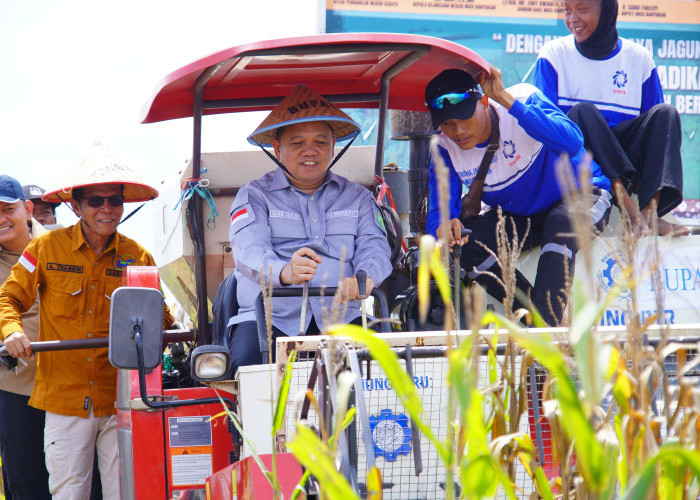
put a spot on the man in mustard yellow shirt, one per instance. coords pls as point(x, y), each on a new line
point(75, 270)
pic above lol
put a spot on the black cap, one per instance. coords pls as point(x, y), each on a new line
point(451, 81)
point(33, 192)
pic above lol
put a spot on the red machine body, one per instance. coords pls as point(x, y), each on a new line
point(166, 454)
point(198, 441)
point(244, 480)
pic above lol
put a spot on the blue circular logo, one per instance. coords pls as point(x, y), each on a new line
point(508, 149)
point(391, 435)
point(620, 79)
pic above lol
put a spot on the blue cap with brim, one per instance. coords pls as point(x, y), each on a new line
point(10, 190)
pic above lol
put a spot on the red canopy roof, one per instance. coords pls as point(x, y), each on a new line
point(332, 65)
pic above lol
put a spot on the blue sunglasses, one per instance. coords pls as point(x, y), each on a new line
point(453, 98)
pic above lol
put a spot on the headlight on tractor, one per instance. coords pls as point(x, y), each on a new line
point(209, 363)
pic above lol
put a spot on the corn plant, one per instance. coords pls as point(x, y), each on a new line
point(624, 448)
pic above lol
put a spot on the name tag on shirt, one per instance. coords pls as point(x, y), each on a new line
point(342, 213)
point(281, 214)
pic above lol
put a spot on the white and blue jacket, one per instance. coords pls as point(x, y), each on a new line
point(522, 178)
point(622, 86)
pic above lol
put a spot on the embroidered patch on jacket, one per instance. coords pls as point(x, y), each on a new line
point(380, 221)
point(28, 261)
point(284, 215)
point(122, 261)
point(64, 268)
point(341, 213)
point(239, 215)
point(114, 272)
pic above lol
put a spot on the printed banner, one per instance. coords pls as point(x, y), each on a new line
point(683, 12)
point(510, 33)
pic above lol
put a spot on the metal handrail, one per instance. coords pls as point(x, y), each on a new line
point(96, 343)
point(314, 291)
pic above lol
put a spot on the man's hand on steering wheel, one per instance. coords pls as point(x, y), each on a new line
point(301, 268)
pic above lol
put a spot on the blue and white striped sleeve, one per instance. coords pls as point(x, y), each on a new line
point(433, 220)
point(546, 78)
point(546, 123)
point(652, 93)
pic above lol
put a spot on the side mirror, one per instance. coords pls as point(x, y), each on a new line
point(136, 342)
point(136, 309)
point(209, 363)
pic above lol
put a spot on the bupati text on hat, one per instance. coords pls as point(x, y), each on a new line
point(308, 104)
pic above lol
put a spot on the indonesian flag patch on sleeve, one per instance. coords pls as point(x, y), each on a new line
point(28, 261)
point(242, 213)
point(239, 215)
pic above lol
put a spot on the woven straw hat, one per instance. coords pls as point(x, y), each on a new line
point(304, 105)
point(100, 166)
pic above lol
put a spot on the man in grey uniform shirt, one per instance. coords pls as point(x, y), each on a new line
point(294, 223)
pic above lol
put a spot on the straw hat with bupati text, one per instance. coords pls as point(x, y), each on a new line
point(100, 166)
point(304, 105)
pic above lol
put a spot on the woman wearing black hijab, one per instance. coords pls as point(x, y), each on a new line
point(609, 86)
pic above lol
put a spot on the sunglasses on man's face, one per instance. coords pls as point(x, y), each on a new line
point(452, 98)
point(98, 201)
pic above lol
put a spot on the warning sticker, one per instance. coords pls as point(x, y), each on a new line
point(190, 450)
point(191, 469)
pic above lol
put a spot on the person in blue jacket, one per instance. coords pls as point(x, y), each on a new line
point(530, 134)
point(610, 88)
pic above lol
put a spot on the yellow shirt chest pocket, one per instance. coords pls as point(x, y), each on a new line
point(64, 296)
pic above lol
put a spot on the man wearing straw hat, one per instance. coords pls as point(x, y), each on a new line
point(75, 270)
point(301, 223)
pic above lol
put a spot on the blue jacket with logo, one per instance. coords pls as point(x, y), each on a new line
point(522, 178)
point(622, 86)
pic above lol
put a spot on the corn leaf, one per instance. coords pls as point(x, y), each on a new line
point(543, 487)
point(592, 357)
point(622, 462)
point(283, 394)
point(318, 458)
point(668, 455)
point(343, 417)
point(299, 489)
point(670, 482)
point(374, 484)
point(594, 460)
point(440, 274)
point(476, 431)
point(479, 477)
point(491, 357)
point(427, 244)
point(349, 417)
point(460, 375)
